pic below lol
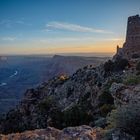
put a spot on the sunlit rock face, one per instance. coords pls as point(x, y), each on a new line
point(131, 47)
point(71, 133)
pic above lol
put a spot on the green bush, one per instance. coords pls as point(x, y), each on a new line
point(127, 119)
point(12, 122)
point(44, 108)
point(106, 98)
point(135, 55)
point(118, 65)
point(108, 66)
point(105, 109)
point(76, 116)
point(100, 122)
point(106, 101)
point(132, 80)
point(45, 105)
point(56, 116)
point(85, 102)
point(138, 66)
point(71, 117)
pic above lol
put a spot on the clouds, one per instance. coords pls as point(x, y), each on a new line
point(60, 40)
point(8, 23)
point(8, 38)
point(73, 27)
point(5, 23)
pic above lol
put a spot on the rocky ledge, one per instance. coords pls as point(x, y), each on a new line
point(83, 132)
point(71, 133)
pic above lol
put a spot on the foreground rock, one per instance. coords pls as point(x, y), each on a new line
point(70, 133)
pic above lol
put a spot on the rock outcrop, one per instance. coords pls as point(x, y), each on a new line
point(70, 133)
point(123, 94)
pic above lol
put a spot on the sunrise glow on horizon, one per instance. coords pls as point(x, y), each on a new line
point(51, 27)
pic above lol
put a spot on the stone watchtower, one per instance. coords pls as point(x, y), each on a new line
point(132, 43)
point(133, 31)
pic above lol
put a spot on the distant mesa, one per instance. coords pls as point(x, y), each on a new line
point(131, 47)
point(57, 56)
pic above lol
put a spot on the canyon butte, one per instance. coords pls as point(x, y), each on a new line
point(94, 103)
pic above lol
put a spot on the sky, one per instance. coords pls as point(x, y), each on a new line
point(64, 26)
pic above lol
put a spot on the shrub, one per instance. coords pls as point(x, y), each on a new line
point(45, 105)
point(127, 119)
point(44, 111)
point(56, 118)
point(85, 67)
point(71, 117)
point(120, 64)
point(76, 116)
point(138, 66)
point(135, 55)
point(101, 122)
point(12, 122)
point(106, 98)
point(85, 102)
point(108, 66)
point(132, 80)
point(105, 109)
point(106, 101)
